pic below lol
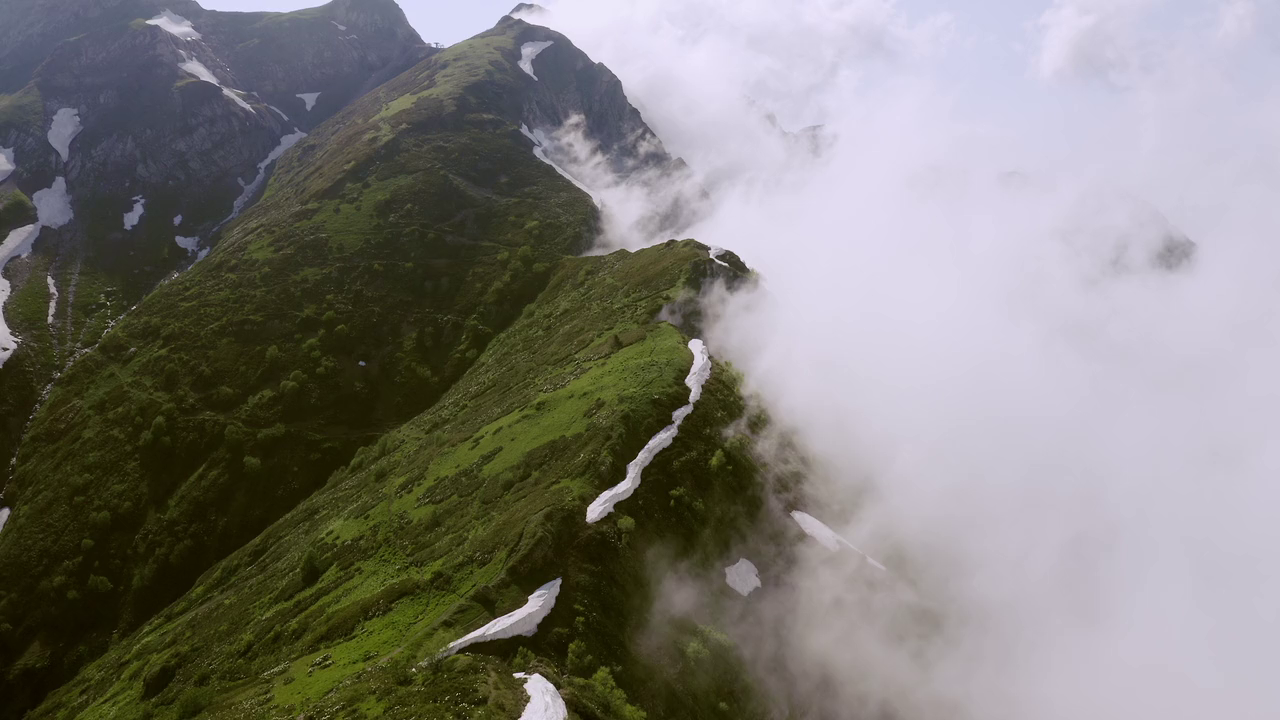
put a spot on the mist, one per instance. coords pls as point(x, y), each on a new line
point(980, 315)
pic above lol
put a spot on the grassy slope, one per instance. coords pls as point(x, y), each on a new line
point(405, 241)
point(459, 515)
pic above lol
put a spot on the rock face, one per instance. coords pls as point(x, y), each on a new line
point(570, 85)
point(30, 29)
point(344, 50)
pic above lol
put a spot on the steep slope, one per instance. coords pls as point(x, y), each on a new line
point(392, 245)
point(456, 517)
point(151, 121)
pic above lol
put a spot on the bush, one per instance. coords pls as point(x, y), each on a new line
point(193, 702)
point(311, 568)
point(157, 679)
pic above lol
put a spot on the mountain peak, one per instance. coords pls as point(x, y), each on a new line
point(375, 15)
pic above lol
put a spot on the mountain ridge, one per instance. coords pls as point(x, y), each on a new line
point(292, 345)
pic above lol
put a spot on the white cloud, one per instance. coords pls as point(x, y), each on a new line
point(1237, 20)
point(1089, 39)
point(1063, 450)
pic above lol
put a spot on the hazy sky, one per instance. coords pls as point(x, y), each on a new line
point(443, 21)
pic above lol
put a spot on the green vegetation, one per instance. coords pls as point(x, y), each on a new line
point(371, 281)
point(454, 518)
point(370, 421)
point(16, 210)
point(23, 110)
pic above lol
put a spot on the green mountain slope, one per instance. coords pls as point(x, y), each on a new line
point(392, 246)
point(159, 136)
point(456, 517)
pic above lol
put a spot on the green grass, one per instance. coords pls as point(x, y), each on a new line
point(238, 387)
point(23, 110)
point(458, 515)
point(16, 210)
point(368, 422)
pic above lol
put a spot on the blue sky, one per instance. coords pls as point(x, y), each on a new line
point(443, 21)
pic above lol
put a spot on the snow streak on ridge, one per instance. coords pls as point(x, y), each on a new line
point(698, 375)
point(520, 622)
point(545, 702)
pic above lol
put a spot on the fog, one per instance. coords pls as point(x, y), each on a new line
point(979, 316)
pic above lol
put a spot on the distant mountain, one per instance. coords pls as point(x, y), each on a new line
point(380, 405)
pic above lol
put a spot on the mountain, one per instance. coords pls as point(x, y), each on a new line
point(342, 607)
point(385, 398)
point(147, 130)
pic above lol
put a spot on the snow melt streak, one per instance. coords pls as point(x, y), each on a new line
point(7, 165)
point(544, 700)
point(827, 537)
point(53, 298)
point(64, 128)
point(197, 70)
point(16, 245)
point(698, 375)
point(252, 188)
point(528, 52)
point(539, 151)
point(175, 25)
point(521, 622)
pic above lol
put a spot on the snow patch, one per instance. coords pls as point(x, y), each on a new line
point(698, 375)
point(64, 128)
point(53, 208)
point(17, 244)
point(197, 69)
point(175, 25)
point(177, 220)
point(4, 517)
point(252, 188)
point(521, 622)
point(309, 99)
point(539, 151)
point(53, 205)
point(545, 702)
point(827, 537)
point(53, 298)
point(742, 576)
point(280, 113)
point(132, 217)
point(715, 253)
point(528, 52)
point(7, 165)
point(190, 244)
point(340, 27)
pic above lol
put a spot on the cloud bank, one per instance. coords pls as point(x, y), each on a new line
point(1020, 311)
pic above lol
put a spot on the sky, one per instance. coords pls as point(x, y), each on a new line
point(442, 21)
